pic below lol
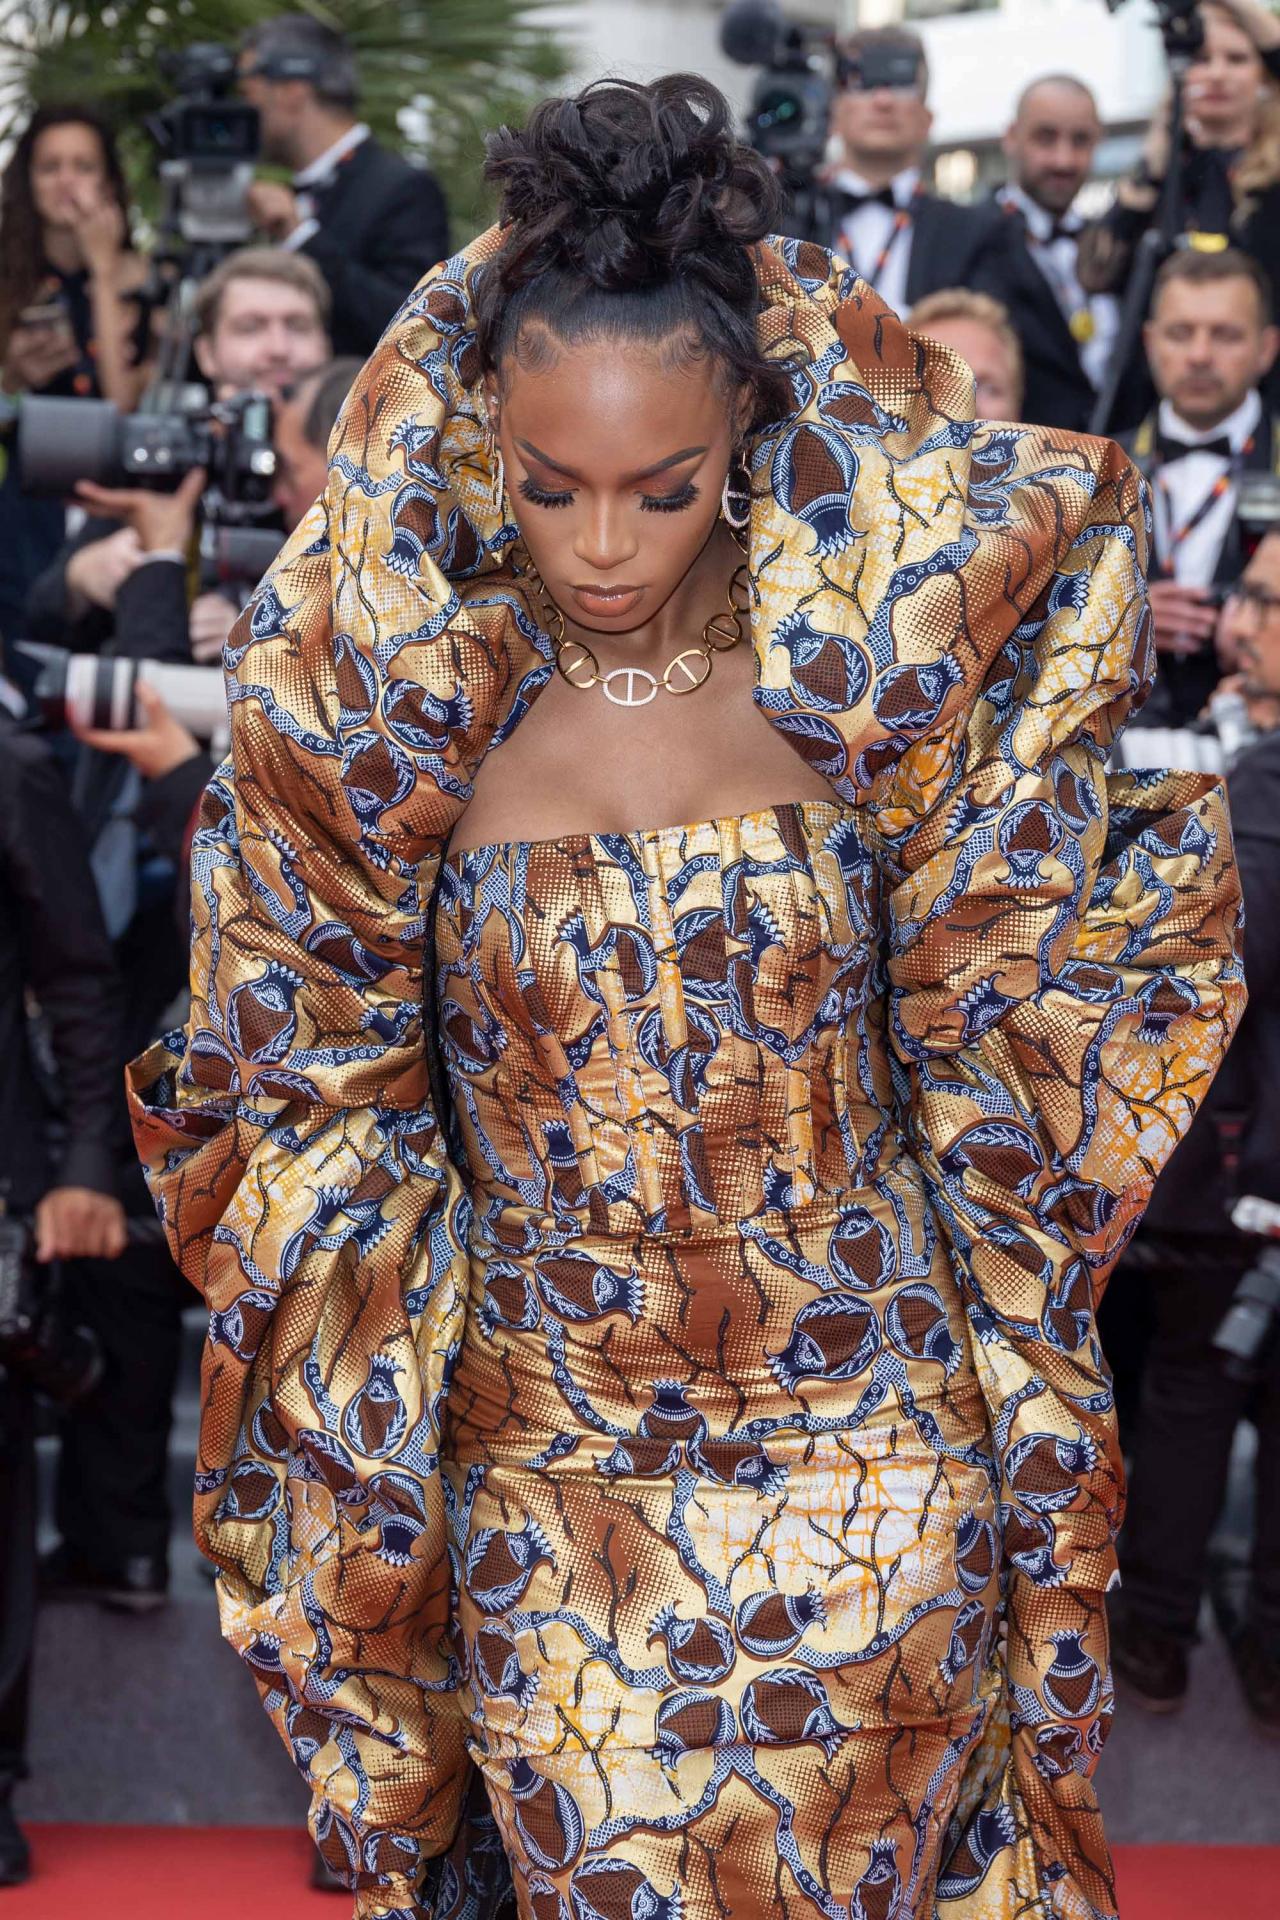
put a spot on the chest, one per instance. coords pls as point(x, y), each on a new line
point(580, 763)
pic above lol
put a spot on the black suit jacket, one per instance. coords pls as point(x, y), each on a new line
point(383, 224)
point(956, 246)
point(1183, 686)
point(1059, 392)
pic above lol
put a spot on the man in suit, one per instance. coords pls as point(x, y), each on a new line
point(1210, 343)
point(1067, 335)
point(372, 223)
point(903, 240)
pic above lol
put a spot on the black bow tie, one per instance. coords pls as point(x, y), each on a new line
point(850, 202)
point(1169, 447)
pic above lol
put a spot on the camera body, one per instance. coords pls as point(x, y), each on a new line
point(54, 1358)
point(61, 442)
point(789, 119)
point(208, 144)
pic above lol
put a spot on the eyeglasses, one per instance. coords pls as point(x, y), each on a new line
point(1258, 600)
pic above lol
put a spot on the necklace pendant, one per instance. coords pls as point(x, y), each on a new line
point(629, 680)
point(688, 671)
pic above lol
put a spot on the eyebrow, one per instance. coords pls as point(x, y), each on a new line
point(647, 473)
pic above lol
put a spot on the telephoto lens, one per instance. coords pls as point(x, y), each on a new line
point(97, 690)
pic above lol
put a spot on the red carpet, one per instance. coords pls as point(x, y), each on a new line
point(250, 1873)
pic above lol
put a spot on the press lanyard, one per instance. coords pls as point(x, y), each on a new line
point(1224, 482)
point(901, 221)
point(1075, 309)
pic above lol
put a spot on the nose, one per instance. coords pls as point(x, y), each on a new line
point(602, 541)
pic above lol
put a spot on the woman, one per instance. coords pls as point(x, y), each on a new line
point(1231, 178)
point(655, 1434)
point(67, 271)
point(67, 322)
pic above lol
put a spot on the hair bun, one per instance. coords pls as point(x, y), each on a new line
point(629, 184)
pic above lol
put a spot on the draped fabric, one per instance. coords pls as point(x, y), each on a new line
point(950, 625)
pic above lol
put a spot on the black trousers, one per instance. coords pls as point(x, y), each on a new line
point(17, 1572)
point(112, 1496)
point(1189, 1412)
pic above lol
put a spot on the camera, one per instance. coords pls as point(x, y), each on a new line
point(208, 144)
point(1180, 23)
point(63, 441)
point(788, 121)
point(100, 690)
point(62, 1361)
point(1249, 1321)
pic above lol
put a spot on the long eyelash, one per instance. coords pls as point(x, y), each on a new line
point(669, 502)
point(539, 496)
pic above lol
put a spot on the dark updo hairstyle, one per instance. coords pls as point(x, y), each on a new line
point(630, 213)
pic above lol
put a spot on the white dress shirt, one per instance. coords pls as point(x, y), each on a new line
point(1181, 485)
point(318, 174)
point(1055, 256)
point(867, 231)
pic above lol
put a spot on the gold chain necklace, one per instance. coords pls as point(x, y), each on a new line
point(636, 686)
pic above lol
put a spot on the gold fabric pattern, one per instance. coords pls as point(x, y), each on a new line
point(788, 1159)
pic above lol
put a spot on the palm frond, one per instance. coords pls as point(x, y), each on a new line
point(436, 75)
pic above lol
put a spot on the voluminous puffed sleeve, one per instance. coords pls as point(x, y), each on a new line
point(299, 1169)
point(1064, 983)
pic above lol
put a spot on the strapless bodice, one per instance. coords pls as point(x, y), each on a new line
point(667, 1030)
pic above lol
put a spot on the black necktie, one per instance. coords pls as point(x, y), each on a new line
point(1169, 447)
point(848, 203)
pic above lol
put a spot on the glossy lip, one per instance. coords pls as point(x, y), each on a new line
point(597, 599)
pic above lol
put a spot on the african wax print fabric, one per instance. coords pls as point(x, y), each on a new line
point(950, 624)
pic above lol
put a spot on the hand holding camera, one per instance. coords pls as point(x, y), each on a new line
point(163, 522)
point(77, 1223)
point(154, 747)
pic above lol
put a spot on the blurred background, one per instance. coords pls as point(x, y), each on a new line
point(209, 210)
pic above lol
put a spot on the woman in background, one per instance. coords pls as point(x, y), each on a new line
point(69, 323)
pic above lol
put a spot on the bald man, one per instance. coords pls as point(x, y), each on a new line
point(1067, 335)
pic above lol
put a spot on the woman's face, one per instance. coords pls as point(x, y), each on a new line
point(615, 457)
point(68, 172)
point(1224, 83)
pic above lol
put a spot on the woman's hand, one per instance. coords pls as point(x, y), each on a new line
point(1261, 25)
point(36, 356)
point(99, 225)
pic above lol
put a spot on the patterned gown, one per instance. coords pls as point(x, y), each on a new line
point(652, 1277)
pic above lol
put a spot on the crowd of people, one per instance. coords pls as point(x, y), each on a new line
point(95, 820)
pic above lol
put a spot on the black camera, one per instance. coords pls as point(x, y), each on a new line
point(1249, 1323)
point(63, 441)
point(789, 119)
point(38, 1343)
point(1181, 26)
point(208, 143)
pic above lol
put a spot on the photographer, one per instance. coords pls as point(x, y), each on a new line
point(1195, 1257)
point(372, 223)
point(53, 948)
point(901, 239)
point(1210, 342)
point(173, 765)
point(112, 1502)
point(1231, 173)
point(262, 318)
